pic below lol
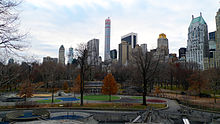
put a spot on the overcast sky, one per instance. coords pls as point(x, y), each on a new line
point(51, 23)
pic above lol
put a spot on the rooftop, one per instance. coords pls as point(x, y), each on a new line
point(198, 19)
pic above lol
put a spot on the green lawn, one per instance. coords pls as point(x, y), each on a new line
point(100, 97)
point(137, 97)
point(49, 101)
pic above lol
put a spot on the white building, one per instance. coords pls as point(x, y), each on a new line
point(93, 51)
point(197, 43)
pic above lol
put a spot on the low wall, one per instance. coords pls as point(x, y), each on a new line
point(114, 116)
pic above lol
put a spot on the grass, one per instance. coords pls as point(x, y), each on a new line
point(49, 101)
point(99, 97)
point(137, 97)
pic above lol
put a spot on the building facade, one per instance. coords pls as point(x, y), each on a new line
point(162, 43)
point(211, 60)
point(113, 54)
point(144, 48)
point(217, 37)
point(131, 39)
point(124, 52)
point(62, 55)
point(93, 51)
point(182, 53)
point(162, 51)
point(70, 56)
point(107, 39)
point(172, 58)
point(197, 43)
point(93, 87)
point(49, 59)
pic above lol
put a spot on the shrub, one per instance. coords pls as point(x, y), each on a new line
point(183, 93)
point(205, 95)
point(67, 104)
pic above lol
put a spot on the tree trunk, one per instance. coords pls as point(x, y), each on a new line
point(214, 98)
point(53, 94)
point(81, 87)
point(144, 92)
point(109, 97)
point(171, 81)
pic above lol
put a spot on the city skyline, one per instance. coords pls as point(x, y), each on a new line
point(70, 23)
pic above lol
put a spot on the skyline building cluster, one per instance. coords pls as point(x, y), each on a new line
point(61, 56)
point(128, 42)
point(202, 47)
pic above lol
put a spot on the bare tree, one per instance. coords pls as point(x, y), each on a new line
point(146, 65)
point(10, 38)
point(82, 54)
point(213, 76)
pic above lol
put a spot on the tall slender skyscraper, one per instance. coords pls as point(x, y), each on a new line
point(107, 38)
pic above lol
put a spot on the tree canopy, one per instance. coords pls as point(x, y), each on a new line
point(110, 86)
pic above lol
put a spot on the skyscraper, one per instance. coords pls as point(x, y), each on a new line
point(217, 37)
point(107, 38)
point(162, 43)
point(162, 51)
point(144, 48)
point(62, 55)
point(70, 55)
point(113, 54)
point(197, 43)
point(93, 51)
point(182, 53)
point(130, 38)
point(124, 51)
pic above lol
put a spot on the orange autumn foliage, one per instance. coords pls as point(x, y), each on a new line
point(65, 86)
point(26, 90)
point(157, 90)
point(76, 87)
point(110, 86)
